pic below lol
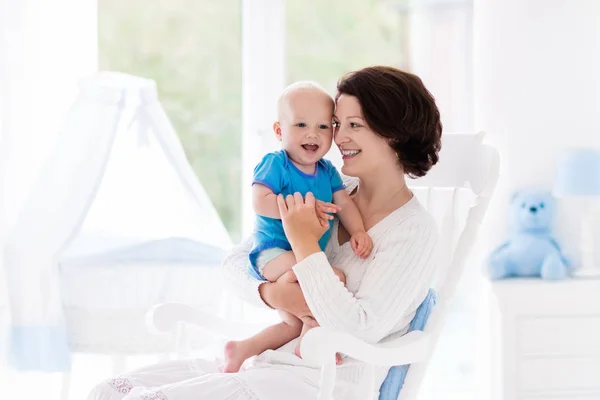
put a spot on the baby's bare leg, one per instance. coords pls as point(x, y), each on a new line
point(273, 337)
point(279, 266)
point(307, 325)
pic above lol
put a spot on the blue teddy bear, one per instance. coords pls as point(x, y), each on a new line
point(531, 251)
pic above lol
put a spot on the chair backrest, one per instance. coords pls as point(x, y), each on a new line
point(457, 192)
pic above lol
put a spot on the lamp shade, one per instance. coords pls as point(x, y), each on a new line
point(578, 173)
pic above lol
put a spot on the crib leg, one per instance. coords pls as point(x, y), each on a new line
point(119, 365)
point(66, 386)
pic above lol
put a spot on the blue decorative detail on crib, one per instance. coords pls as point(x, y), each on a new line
point(390, 389)
point(39, 348)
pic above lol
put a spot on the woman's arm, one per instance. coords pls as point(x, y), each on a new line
point(261, 293)
point(398, 273)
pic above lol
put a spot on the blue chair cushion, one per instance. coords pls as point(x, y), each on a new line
point(390, 389)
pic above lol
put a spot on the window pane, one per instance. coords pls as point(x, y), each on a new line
point(326, 39)
point(192, 49)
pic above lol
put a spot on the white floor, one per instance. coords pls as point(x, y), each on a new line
point(454, 373)
point(451, 376)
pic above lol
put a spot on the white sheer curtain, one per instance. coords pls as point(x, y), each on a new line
point(441, 54)
point(45, 47)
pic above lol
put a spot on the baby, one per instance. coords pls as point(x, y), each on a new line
point(304, 127)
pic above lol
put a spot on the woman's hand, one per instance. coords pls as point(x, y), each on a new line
point(303, 228)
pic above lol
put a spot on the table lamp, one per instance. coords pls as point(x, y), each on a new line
point(578, 176)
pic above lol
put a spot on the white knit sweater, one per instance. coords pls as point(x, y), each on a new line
point(382, 293)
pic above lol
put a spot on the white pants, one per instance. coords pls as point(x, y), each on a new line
point(201, 380)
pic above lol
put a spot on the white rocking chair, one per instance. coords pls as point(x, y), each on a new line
point(466, 166)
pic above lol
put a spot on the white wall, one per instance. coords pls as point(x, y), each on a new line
point(537, 91)
point(537, 88)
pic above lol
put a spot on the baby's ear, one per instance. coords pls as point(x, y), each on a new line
point(277, 130)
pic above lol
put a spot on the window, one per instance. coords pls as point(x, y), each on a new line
point(192, 49)
point(325, 39)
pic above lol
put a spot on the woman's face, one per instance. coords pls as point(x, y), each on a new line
point(363, 151)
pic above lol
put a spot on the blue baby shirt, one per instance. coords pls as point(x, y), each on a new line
point(277, 172)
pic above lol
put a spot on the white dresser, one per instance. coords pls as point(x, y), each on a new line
point(546, 340)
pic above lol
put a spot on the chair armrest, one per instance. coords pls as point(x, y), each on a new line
point(164, 318)
point(320, 345)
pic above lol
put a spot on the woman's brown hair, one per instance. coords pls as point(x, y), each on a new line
point(397, 106)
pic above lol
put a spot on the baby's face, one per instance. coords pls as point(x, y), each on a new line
point(306, 125)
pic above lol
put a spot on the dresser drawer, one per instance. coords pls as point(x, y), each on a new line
point(558, 336)
point(547, 375)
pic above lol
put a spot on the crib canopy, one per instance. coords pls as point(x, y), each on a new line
point(117, 187)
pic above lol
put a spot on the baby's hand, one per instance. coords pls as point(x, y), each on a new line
point(324, 210)
point(361, 244)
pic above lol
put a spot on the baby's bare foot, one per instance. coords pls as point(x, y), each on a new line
point(234, 357)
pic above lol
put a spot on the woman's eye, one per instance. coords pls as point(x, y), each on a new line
point(354, 125)
point(301, 125)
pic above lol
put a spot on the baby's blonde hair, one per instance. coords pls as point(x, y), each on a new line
point(300, 85)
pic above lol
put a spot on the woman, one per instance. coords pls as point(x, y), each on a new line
point(387, 126)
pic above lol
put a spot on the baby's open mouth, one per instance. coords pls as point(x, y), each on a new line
point(310, 147)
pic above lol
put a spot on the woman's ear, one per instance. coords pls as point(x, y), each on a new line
point(277, 130)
